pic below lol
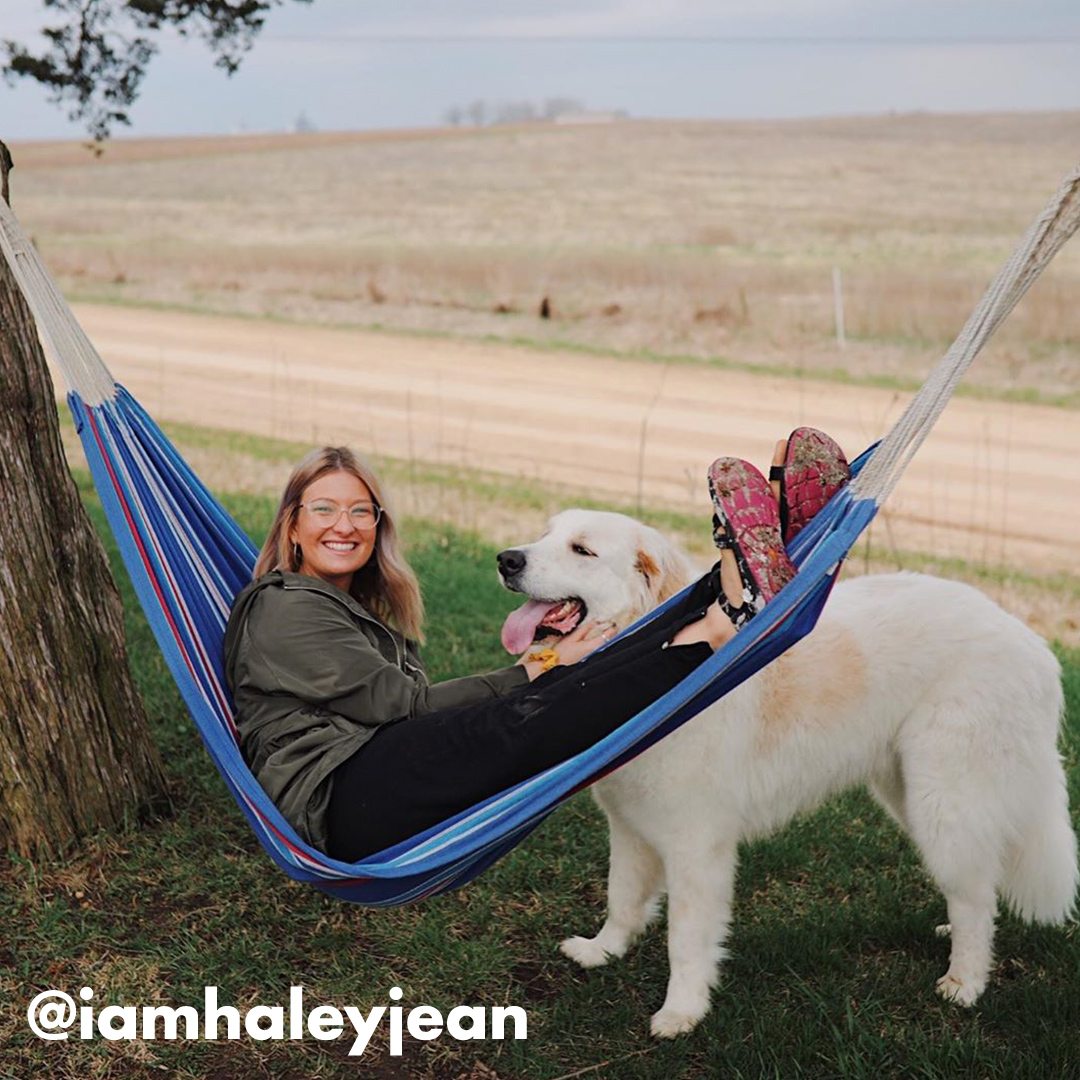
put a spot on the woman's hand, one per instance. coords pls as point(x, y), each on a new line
point(583, 640)
point(571, 648)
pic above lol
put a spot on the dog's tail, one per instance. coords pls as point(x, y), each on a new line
point(1041, 878)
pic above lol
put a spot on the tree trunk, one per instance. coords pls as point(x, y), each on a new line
point(75, 751)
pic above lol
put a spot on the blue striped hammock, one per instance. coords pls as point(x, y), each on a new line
point(187, 559)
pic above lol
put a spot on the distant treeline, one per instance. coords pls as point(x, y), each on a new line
point(481, 112)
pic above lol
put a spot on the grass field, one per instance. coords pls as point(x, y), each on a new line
point(712, 240)
point(833, 951)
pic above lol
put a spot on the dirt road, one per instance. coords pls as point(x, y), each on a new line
point(995, 483)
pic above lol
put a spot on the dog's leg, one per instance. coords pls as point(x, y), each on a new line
point(971, 926)
point(961, 845)
point(634, 880)
point(700, 888)
point(961, 873)
point(887, 787)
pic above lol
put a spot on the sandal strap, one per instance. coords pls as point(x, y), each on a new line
point(738, 615)
point(724, 541)
point(776, 472)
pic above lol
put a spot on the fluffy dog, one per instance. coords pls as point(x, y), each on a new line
point(944, 705)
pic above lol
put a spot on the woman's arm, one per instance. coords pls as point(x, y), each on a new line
point(310, 647)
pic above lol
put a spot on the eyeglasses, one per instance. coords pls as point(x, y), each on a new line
point(362, 515)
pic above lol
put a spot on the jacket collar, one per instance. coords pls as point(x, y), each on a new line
point(288, 579)
point(280, 579)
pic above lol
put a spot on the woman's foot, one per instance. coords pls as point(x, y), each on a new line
point(808, 468)
point(734, 598)
point(746, 528)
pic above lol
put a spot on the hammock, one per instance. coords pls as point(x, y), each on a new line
point(187, 559)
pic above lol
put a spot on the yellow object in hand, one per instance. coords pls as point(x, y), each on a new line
point(547, 658)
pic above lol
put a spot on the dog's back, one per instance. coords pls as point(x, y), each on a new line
point(908, 682)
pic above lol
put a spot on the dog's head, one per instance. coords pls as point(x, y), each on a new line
point(589, 563)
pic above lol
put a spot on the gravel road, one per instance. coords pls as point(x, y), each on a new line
point(995, 483)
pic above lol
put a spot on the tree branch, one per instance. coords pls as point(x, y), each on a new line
point(99, 51)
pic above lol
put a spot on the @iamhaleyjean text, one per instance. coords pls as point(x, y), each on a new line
point(55, 1014)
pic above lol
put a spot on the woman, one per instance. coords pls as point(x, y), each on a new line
point(335, 715)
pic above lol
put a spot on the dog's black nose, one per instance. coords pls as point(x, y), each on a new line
point(510, 562)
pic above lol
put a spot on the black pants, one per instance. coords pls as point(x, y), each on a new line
point(418, 771)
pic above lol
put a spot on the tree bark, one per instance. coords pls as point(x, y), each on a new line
point(75, 750)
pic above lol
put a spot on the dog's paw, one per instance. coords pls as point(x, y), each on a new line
point(667, 1023)
point(943, 930)
point(588, 952)
point(959, 991)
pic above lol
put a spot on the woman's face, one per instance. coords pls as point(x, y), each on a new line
point(334, 546)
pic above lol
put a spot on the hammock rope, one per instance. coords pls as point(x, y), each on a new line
point(187, 559)
point(1043, 240)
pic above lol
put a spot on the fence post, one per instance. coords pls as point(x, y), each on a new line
point(838, 306)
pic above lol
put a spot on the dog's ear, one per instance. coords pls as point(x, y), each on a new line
point(664, 567)
point(646, 566)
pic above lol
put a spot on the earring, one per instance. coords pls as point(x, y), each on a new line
point(298, 555)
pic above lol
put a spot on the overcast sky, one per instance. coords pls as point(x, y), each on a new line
point(344, 65)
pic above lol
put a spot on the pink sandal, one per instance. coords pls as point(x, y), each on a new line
point(814, 470)
point(747, 521)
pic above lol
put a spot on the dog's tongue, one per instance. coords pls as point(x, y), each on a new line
point(520, 627)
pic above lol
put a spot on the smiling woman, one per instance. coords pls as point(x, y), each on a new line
point(309, 538)
point(335, 530)
point(335, 715)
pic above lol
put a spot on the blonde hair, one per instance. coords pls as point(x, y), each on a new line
point(386, 584)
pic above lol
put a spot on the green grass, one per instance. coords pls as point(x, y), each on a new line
point(833, 951)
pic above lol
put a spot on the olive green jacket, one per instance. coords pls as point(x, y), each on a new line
point(313, 675)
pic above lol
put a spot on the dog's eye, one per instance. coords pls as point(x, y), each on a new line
point(581, 549)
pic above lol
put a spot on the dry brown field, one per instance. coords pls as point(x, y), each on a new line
point(698, 239)
point(651, 241)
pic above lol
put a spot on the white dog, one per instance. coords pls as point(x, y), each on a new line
point(943, 704)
